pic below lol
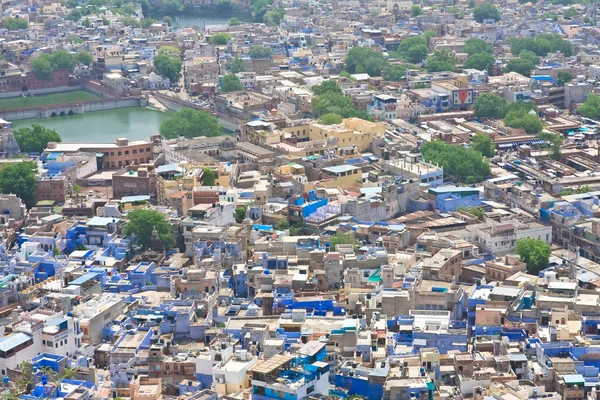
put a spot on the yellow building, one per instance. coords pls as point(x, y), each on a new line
point(344, 176)
point(290, 169)
point(351, 132)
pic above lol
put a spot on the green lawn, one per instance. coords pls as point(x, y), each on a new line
point(46, 99)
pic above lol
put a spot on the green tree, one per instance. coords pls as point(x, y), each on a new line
point(15, 24)
point(147, 22)
point(236, 65)
point(169, 50)
point(553, 142)
point(85, 58)
point(35, 139)
point(570, 13)
point(140, 224)
point(297, 229)
point(62, 59)
point(479, 61)
point(168, 66)
point(328, 86)
point(344, 238)
point(519, 119)
point(346, 74)
point(190, 124)
point(371, 61)
point(460, 164)
point(489, 105)
point(19, 179)
point(85, 23)
point(331, 119)
point(240, 214)
point(533, 252)
point(258, 52)
point(231, 83)
point(591, 107)
point(406, 44)
point(417, 53)
point(283, 225)
point(483, 144)
point(441, 60)
point(416, 10)
point(580, 190)
point(167, 20)
point(234, 21)
point(209, 176)
point(563, 78)
point(541, 45)
point(273, 17)
point(475, 211)
point(486, 11)
point(519, 65)
point(394, 73)
point(74, 15)
point(41, 67)
point(220, 38)
point(476, 46)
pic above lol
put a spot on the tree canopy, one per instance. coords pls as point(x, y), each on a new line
point(208, 176)
point(414, 49)
point(168, 66)
point(239, 214)
point(141, 224)
point(416, 10)
point(258, 52)
point(533, 252)
point(519, 116)
point(328, 86)
point(460, 164)
point(441, 60)
point(45, 63)
point(231, 83)
point(331, 119)
point(368, 60)
point(483, 144)
point(489, 105)
point(394, 73)
point(336, 103)
point(190, 124)
point(553, 142)
point(236, 65)
point(541, 45)
point(591, 107)
point(85, 58)
point(35, 139)
point(220, 38)
point(480, 61)
point(14, 24)
point(486, 11)
point(564, 78)
point(19, 179)
point(476, 46)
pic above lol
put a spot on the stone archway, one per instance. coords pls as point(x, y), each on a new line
point(53, 114)
point(71, 112)
point(62, 113)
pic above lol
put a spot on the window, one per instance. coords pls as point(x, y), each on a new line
point(119, 153)
point(49, 343)
point(126, 152)
point(112, 153)
point(141, 151)
point(134, 151)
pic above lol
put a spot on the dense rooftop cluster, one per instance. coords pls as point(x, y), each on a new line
point(390, 200)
